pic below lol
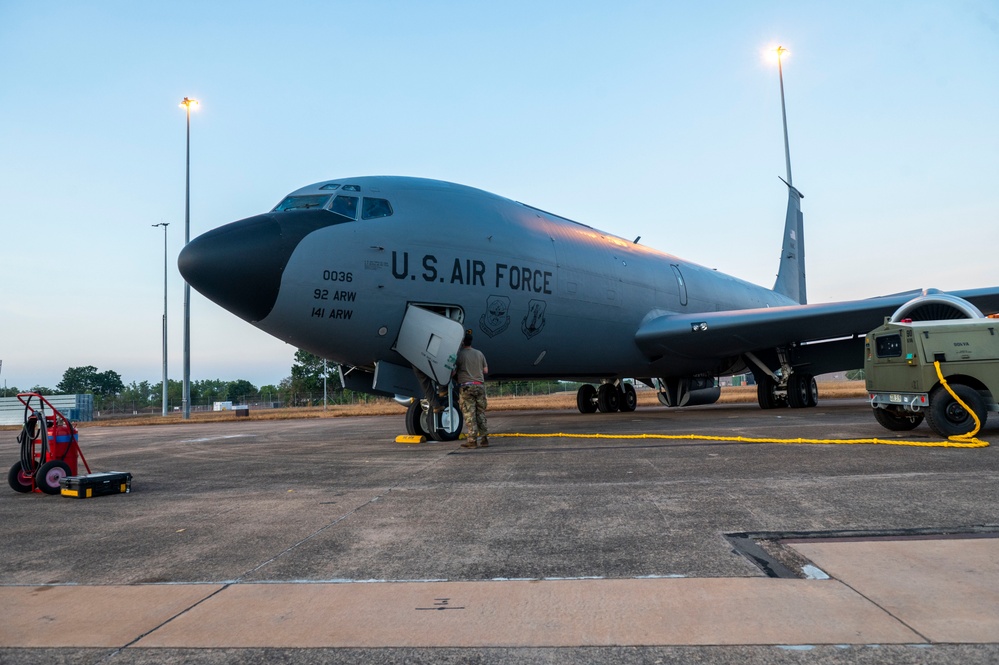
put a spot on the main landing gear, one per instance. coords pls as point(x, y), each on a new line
point(608, 398)
point(800, 392)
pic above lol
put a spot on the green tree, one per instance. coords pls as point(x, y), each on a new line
point(175, 391)
point(107, 383)
point(77, 380)
point(240, 389)
point(207, 391)
point(140, 395)
point(307, 376)
point(270, 393)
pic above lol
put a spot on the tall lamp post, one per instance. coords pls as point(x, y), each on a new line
point(783, 113)
point(164, 225)
point(187, 103)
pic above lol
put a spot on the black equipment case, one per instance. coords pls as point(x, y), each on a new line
point(96, 484)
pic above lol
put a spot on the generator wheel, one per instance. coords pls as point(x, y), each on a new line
point(948, 418)
point(18, 480)
point(49, 474)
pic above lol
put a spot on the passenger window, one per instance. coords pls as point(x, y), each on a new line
point(372, 208)
point(345, 205)
point(302, 202)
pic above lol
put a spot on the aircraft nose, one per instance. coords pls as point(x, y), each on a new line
point(239, 266)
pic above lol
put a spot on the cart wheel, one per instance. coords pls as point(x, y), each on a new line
point(18, 480)
point(48, 476)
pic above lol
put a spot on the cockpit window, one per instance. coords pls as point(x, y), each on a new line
point(372, 208)
point(330, 185)
point(303, 202)
point(345, 205)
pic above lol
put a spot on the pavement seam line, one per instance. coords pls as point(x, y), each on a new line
point(152, 630)
point(878, 605)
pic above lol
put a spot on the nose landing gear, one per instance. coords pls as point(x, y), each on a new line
point(441, 422)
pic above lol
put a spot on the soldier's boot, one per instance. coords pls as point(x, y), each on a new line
point(484, 443)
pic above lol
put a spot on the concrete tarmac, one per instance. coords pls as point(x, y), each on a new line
point(308, 541)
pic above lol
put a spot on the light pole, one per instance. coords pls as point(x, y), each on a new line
point(164, 225)
point(787, 150)
point(187, 103)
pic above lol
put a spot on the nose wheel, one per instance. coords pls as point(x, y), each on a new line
point(442, 424)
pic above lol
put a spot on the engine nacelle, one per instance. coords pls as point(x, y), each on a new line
point(936, 307)
point(692, 391)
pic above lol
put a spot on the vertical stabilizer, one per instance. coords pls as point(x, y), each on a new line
point(791, 274)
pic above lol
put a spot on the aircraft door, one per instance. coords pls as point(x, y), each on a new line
point(430, 342)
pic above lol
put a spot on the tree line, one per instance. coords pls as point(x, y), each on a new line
point(303, 387)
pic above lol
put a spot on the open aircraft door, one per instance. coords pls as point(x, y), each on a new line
point(430, 341)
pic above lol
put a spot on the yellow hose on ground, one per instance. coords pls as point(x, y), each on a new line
point(957, 441)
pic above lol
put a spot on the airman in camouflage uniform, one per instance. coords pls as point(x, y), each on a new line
point(470, 374)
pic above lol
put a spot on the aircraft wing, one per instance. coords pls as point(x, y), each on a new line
point(729, 333)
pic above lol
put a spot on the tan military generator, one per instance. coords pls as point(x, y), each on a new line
point(902, 379)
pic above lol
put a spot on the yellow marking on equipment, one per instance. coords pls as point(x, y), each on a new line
point(66, 492)
point(410, 438)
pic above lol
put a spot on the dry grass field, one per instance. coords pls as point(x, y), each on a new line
point(566, 401)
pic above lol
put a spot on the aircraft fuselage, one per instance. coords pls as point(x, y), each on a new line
point(545, 296)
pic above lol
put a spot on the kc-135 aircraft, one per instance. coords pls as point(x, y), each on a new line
point(383, 274)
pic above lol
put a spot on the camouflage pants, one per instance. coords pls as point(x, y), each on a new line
point(473, 406)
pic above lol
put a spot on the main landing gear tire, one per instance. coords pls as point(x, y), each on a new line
point(765, 394)
point(608, 398)
point(897, 421)
point(18, 480)
point(49, 474)
point(586, 398)
point(948, 418)
point(802, 391)
point(629, 398)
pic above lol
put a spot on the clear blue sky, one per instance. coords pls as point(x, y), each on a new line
point(659, 119)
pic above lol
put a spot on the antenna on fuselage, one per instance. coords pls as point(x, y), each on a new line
point(791, 274)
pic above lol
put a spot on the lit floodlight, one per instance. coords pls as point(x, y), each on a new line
point(773, 54)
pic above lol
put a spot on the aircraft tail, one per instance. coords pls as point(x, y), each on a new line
point(791, 275)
